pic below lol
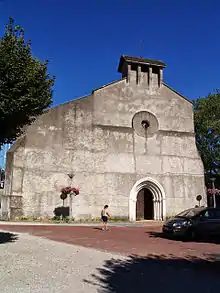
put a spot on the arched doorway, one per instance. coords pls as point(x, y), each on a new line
point(155, 199)
point(144, 205)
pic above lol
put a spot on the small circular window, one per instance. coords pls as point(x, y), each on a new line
point(145, 124)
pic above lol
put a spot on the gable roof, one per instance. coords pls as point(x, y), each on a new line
point(110, 83)
point(132, 59)
point(176, 92)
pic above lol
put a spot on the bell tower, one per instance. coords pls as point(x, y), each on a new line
point(142, 71)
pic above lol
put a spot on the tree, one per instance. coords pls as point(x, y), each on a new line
point(207, 128)
point(25, 85)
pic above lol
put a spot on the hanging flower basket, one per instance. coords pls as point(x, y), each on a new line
point(69, 190)
point(213, 191)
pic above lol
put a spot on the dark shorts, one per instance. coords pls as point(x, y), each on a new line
point(104, 219)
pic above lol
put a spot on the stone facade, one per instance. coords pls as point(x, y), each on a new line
point(132, 134)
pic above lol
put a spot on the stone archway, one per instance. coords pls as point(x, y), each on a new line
point(145, 205)
point(159, 201)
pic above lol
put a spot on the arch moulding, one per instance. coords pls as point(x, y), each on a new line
point(159, 199)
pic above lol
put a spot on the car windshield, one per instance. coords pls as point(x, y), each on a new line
point(189, 213)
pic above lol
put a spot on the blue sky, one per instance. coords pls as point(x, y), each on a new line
point(84, 39)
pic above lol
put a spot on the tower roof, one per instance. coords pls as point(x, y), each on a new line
point(132, 59)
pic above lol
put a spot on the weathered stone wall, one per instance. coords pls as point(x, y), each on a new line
point(170, 156)
point(93, 138)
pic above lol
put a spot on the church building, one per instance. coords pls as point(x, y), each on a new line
point(129, 144)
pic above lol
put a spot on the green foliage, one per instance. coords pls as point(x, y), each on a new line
point(25, 85)
point(207, 127)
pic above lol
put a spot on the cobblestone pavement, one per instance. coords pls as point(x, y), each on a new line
point(125, 259)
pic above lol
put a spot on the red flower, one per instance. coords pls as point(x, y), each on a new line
point(75, 190)
point(69, 189)
point(213, 191)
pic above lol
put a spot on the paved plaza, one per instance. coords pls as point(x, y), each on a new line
point(55, 258)
point(127, 240)
point(36, 265)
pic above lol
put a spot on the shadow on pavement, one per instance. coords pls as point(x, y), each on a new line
point(98, 228)
point(213, 240)
point(158, 274)
point(7, 237)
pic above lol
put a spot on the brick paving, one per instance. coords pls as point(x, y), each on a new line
point(141, 241)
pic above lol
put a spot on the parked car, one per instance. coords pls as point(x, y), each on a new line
point(194, 223)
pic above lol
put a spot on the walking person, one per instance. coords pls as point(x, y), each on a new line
point(105, 215)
